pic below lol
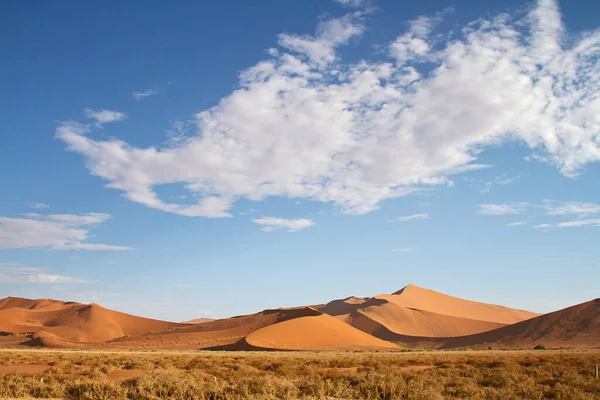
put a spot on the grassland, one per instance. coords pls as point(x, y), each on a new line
point(292, 375)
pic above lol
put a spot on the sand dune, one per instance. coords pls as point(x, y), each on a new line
point(320, 332)
point(54, 322)
point(343, 306)
point(576, 326)
point(414, 311)
point(217, 333)
point(414, 322)
point(413, 317)
point(418, 298)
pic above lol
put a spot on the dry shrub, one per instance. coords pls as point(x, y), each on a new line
point(307, 375)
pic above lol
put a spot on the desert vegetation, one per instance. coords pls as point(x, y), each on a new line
point(490, 374)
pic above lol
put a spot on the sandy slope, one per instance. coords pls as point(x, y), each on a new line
point(576, 326)
point(52, 322)
point(414, 322)
point(414, 311)
point(320, 332)
point(343, 306)
point(214, 334)
point(418, 298)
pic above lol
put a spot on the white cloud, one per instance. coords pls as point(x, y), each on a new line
point(579, 222)
point(145, 93)
point(89, 246)
point(56, 232)
point(486, 186)
point(414, 45)
point(554, 208)
point(304, 125)
point(270, 224)
point(401, 250)
point(104, 116)
point(352, 3)
point(15, 273)
point(319, 50)
point(517, 223)
point(411, 217)
point(542, 226)
point(39, 206)
point(502, 209)
point(570, 208)
point(85, 219)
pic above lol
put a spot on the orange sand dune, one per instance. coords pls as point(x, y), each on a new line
point(320, 332)
point(46, 339)
point(412, 317)
point(414, 311)
point(428, 300)
point(215, 333)
point(576, 326)
point(53, 322)
point(343, 306)
point(411, 322)
point(36, 304)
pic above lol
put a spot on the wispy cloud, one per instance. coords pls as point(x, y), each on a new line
point(14, 273)
point(410, 217)
point(352, 3)
point(401, 250)
point(552, 208)
point(579, 222)
point(146, 93)
point(542, 226)
point(39, 206)
point(56, 232)
point(270, 224)
point(90, 246)
point(486, 186)
point(104, 116)
point(502, 209)
point(517, 223)
point(570, 208)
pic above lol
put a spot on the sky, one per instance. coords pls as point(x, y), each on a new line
point(190, 159)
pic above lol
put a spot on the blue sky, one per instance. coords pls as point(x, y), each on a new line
point(202, 159)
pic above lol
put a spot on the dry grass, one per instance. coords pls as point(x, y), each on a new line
point(206, 375)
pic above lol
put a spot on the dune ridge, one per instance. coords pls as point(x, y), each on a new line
point(412, 317)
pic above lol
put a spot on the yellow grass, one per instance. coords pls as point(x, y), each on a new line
point(295, 375)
